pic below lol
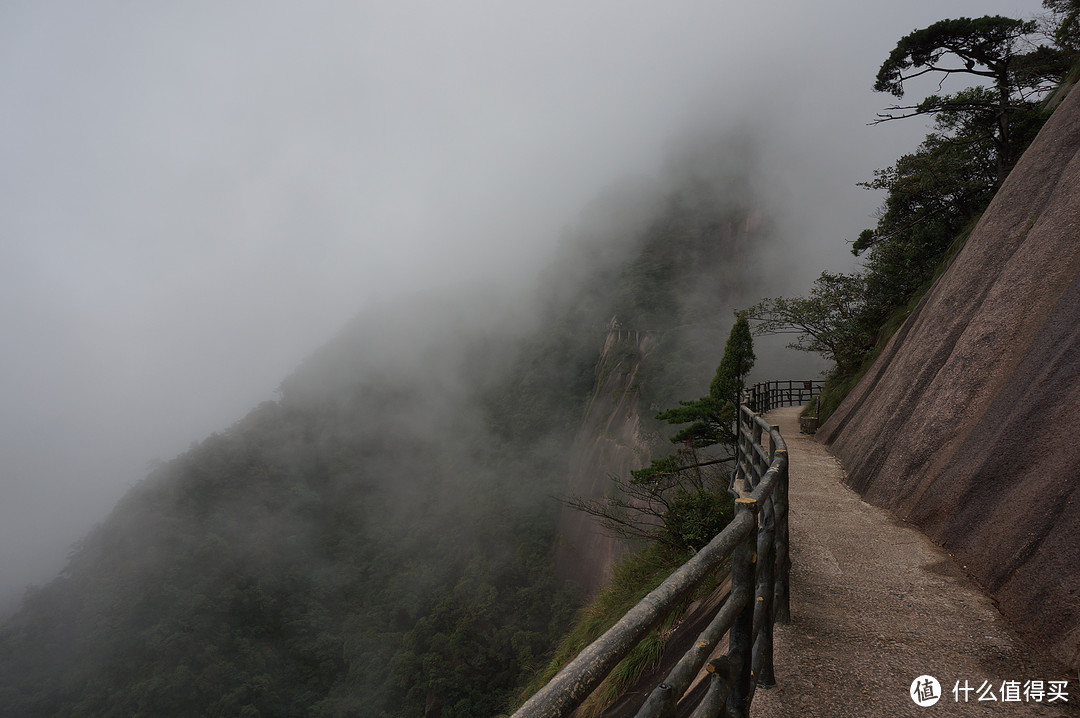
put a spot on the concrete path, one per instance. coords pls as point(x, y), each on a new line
point(875, 605)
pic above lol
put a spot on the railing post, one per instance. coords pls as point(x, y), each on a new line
point(755, 457)
point(741, 638)
point(783, 556)
point(723, 672)
point(747, 457)
point(762, 663)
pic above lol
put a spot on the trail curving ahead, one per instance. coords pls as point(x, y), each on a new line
point(875, 604)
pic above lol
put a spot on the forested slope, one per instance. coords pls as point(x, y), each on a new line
point(379, 541)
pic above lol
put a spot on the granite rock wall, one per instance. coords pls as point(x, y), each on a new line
point(968, 424)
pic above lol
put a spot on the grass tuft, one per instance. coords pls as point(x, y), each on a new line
point(632, 579)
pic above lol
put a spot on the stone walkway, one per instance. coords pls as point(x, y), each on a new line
point(875, 604)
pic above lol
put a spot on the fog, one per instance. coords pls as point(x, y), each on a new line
point(194, 196)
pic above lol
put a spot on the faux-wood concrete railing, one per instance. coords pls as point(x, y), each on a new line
point(757, 541)
point(769, 395)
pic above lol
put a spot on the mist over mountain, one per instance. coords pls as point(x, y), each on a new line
point(196, 195)
point(380, 539)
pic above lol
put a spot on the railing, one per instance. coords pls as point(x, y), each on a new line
point(757, 541)
point(770, 395)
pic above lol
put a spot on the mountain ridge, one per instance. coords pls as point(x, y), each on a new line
point(380, 540)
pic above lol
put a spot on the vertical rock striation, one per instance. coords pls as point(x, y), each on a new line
point(968, 424)
point(611, 441)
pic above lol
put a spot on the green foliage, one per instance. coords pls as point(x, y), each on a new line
point(649, 504)
point(312, 560)
point(644, 656)
point(839, 383)
point(986, 47)
point(686, 499)
point(710, 418)
point(830, 321)
point(736, 363)
point(934, 194)
point(695, 517)
point(951, 172)
point(357, 549)
point(710, 423)
point(1065, 27)
point(931, 195)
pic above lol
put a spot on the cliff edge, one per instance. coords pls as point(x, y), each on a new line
point(967, 423)
point(611, 441)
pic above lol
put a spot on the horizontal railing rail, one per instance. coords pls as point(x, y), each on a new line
point(757, 541)
point(768, 395)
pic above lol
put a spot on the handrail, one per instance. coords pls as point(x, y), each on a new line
point(758, 530)
point(768, 395)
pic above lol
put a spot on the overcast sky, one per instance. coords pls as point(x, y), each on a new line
point(195, 195)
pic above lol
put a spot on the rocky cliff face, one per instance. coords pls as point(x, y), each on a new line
point(611, 441)
point(968, 423)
